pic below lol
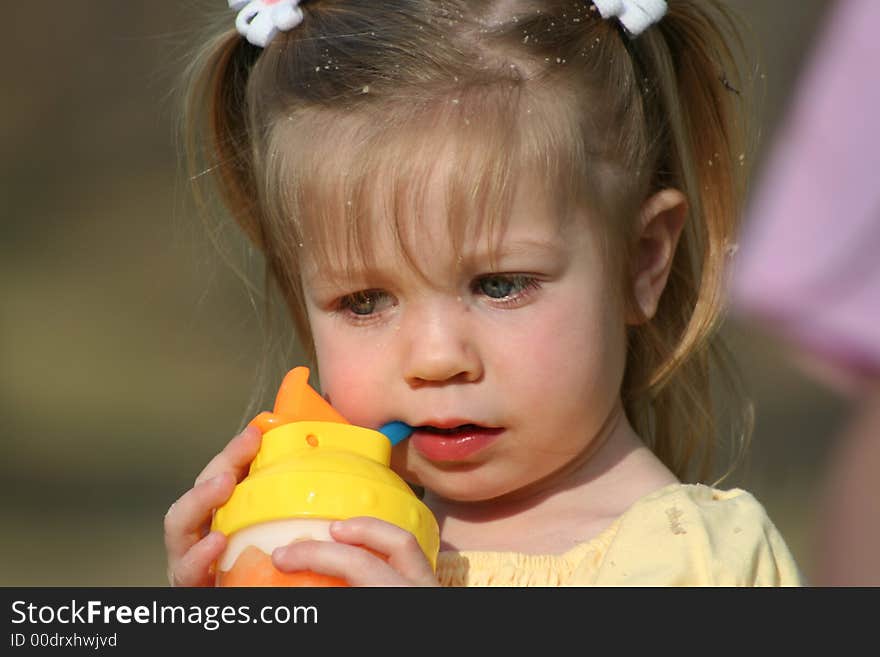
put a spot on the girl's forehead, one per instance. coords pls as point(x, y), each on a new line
point(435, 230)
point(431, 193)
point(353, 186)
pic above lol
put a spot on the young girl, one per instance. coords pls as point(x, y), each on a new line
point(503, 222)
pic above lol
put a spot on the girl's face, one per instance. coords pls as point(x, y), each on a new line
point(508, 367)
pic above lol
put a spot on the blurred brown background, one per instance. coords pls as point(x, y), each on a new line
point(127, 346)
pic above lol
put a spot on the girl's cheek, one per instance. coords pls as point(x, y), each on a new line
point(353, 397)
point(355, 375)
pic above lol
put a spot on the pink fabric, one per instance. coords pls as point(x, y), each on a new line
point(809, 261)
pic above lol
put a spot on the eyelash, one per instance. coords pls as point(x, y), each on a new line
point(525, 285)
point(346, 303)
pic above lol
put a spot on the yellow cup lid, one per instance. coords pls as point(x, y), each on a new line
point(329, 470)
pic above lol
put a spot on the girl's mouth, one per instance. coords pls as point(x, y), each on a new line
point(455, 443)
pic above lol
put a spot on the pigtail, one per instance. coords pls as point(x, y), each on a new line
point(219, 150)
point(679, 363)
point(222, 166)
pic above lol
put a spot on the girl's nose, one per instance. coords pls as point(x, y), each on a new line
point(441, 346)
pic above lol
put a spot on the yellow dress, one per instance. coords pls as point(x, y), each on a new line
point(680, 535)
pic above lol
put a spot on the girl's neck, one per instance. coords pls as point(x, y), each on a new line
point(569, 507)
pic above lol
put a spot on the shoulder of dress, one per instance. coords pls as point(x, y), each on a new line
point(691, 534)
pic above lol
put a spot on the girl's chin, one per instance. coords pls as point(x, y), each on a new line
point(474, 489)
point(474, 495)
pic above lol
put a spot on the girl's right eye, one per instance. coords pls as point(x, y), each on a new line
point(365, 302)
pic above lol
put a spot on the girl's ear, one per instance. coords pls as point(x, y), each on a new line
point(661, 220)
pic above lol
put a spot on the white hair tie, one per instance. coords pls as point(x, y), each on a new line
point(260, 20)
point(635, 15)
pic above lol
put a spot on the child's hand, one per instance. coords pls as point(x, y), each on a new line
point(406, 564)
point(191, 549)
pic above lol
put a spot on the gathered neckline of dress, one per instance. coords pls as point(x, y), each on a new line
point(500, 568)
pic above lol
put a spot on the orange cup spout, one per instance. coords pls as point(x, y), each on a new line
point(297, 401)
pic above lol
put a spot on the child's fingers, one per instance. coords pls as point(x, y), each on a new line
point(187, 519)
point(195, 568)
point(235, 457)
point(190, 551)
point(355, 565)
point(401, 547)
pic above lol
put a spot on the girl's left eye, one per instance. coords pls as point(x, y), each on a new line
point(505, 287)
point(365, 302)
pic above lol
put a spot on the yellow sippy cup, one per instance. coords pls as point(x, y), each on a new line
point(313, 467)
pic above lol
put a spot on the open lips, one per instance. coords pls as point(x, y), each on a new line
point(453, 443)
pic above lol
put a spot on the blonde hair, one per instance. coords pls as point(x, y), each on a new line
point(301, 131)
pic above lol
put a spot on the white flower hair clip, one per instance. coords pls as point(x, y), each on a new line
point(635, 15)
point(260, 20)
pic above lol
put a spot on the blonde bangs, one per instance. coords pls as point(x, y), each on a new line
point(338, 182)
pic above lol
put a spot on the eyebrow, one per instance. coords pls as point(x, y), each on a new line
point(513, 249)
point(520, 246)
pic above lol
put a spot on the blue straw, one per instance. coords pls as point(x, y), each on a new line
point(396, 431)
